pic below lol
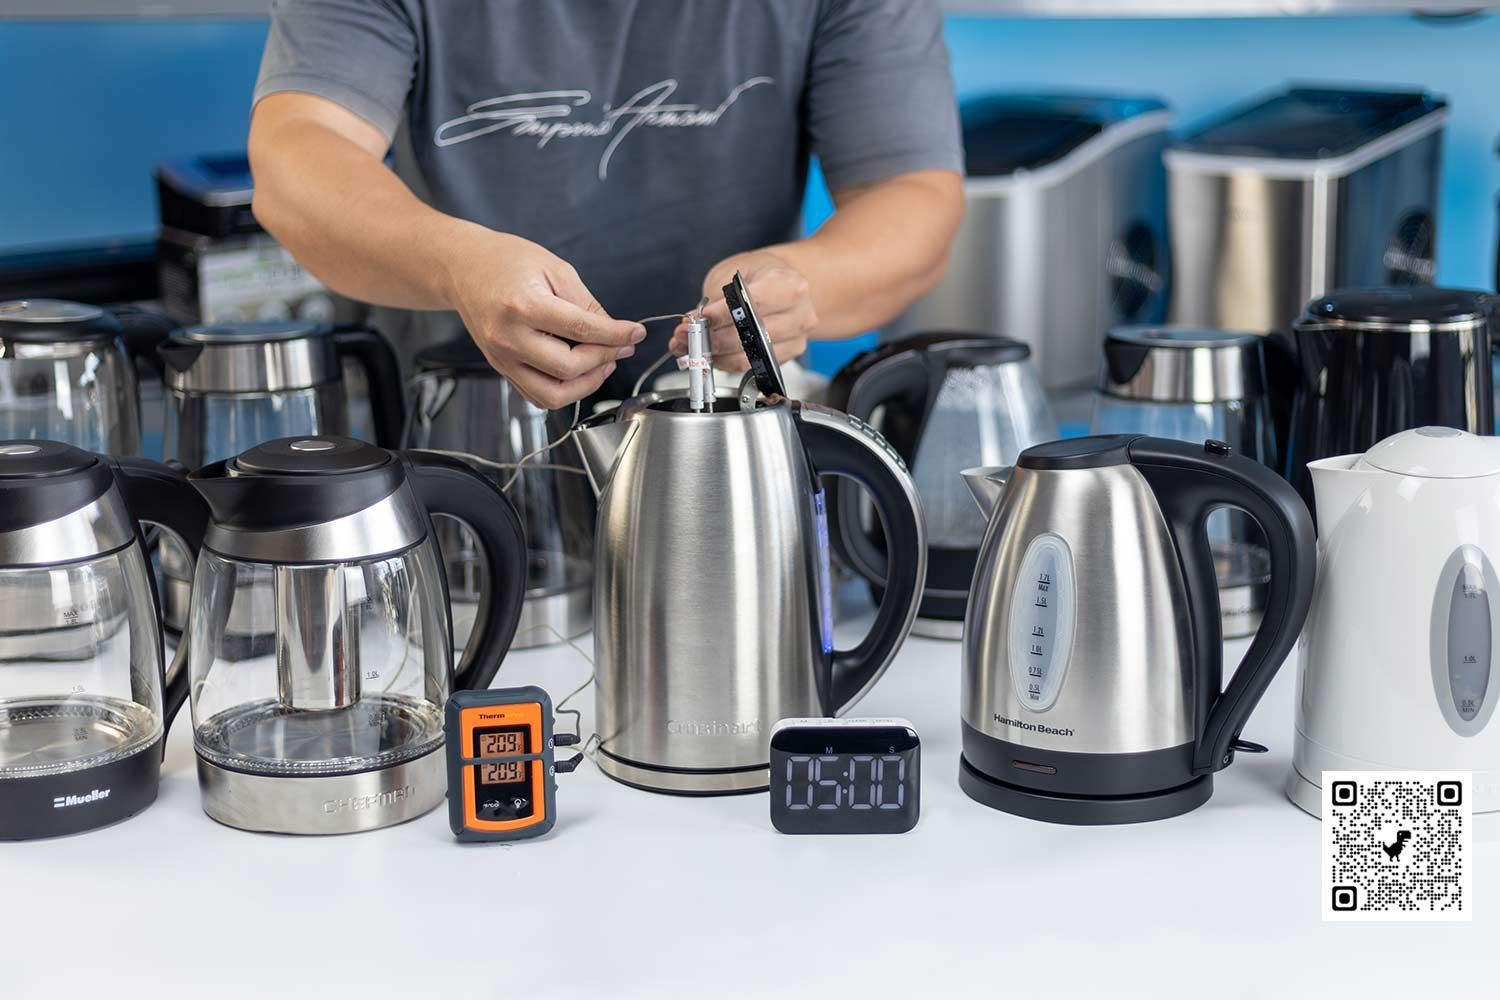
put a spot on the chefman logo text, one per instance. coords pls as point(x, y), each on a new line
point(1031, 727)
point(64, 801)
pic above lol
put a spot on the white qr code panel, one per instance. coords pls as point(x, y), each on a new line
point(1396, 845)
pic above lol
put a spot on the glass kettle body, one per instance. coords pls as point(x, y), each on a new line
point(1092, 655)
point(84, 702)
point(338, 726)
point(712, 611)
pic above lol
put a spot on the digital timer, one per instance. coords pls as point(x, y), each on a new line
point(845, 776)
point(501, 769)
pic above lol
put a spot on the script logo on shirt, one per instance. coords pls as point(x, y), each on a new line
point(549, 114)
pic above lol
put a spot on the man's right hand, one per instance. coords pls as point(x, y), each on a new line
point(534, 320)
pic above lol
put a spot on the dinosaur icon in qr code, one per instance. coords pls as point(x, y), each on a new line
point(1393, 849)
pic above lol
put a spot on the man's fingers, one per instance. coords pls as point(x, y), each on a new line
point(552, 393)
point(566, 361)
point(562, 318)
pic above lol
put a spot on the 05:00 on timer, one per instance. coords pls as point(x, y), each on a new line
point(845, 781)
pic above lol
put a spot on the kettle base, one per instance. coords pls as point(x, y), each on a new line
point(1082, 810)
point(684, 781)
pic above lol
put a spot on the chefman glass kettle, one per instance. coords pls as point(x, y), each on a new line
point(339, 727)
point(945, 402)
point(84, 702)
point(1092, 688)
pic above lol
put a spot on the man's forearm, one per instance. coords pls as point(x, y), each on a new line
point(349, 220)
point(885, 246)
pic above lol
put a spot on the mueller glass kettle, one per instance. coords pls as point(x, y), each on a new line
point(1092, 656)
point(460, 404)
point(713, 614)
point(1400, 661)
point(231, 386)
point(945, 402)
point(84, 702)
point(67, 373)
point(1378, 361)
point(339, 727)
point(1191, 384)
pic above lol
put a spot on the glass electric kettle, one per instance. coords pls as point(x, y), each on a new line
point(338, 727)
point(67, 374)
point(84, 703)
point(460, 404)
point(230, 386)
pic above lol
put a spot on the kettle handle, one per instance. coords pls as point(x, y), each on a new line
point(1190, 482)
point(160, 494)
point(141, 330)
point(373, 353)
point(865, 385)
point(840, 445)
point(451, 487)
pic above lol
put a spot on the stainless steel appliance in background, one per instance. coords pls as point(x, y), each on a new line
point(339, 728)
point(67, 372)
point(84, 700)
point(231, 386)
point(1064, 231)
point(1092, 676)
point(460, 404)
point(1374, 362)
point(1301, 193)
point(1198, 385)
point(945, 402)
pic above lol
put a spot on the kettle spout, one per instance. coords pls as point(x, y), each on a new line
point(1337, 485)
point(988, 485)
point(599, 440)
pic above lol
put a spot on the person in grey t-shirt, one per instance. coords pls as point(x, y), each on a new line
point(564, 168)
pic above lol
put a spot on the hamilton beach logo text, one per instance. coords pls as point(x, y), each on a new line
point(712, 727)
point(65, 801)
point(356, 803)
point(548, 114)
point(1032, 727)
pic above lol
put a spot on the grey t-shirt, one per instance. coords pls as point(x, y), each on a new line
point(642, 142)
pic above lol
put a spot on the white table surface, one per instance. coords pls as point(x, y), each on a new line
point(641, 895)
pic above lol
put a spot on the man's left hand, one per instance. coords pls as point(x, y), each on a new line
point(783, 301)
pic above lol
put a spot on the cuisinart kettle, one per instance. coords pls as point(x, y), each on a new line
point(712, 604)
point(84, 702)
point(1092, 654)
point(339, 727)
point(945, 402)
point(1399, 657)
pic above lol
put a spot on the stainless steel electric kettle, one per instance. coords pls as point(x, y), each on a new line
point(1093, 687)
point(946, 402)
point(84, 702)
point(339, 727)
point(712, 604)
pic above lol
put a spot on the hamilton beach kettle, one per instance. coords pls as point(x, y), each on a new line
point(339, 726)
point(1092, 688)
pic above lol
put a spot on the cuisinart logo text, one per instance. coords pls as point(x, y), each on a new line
point(357, 802)
point(1031, 727)
point(712, 727)
point(65, 801)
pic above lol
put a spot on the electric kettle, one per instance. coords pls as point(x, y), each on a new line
point(1399, 657)
point(713, 612)
point(339, 728)
point(67, 372)
point(460, 404)
point(231, 386)
point(1092, 669)
point(84, 702)
point(945, 402)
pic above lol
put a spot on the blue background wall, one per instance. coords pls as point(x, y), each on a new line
point(86, 108)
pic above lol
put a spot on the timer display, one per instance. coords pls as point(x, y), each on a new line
point(845, 776)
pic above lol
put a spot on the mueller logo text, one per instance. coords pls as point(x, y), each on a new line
point(67, 801)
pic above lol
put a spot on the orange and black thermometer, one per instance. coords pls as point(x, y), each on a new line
point(501, 770)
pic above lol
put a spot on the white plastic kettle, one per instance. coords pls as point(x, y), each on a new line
point(1400, 656)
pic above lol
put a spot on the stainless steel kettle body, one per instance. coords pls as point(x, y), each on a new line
point(712, 612)
point(1092, 648)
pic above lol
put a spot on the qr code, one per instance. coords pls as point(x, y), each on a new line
point(1396, 845)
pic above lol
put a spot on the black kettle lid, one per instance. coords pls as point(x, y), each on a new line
point(52, 320)
point(1403, 307)
point(42, 480)
point(249, 332)
point(310, 456)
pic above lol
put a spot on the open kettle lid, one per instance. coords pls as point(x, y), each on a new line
point(1435, 453)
